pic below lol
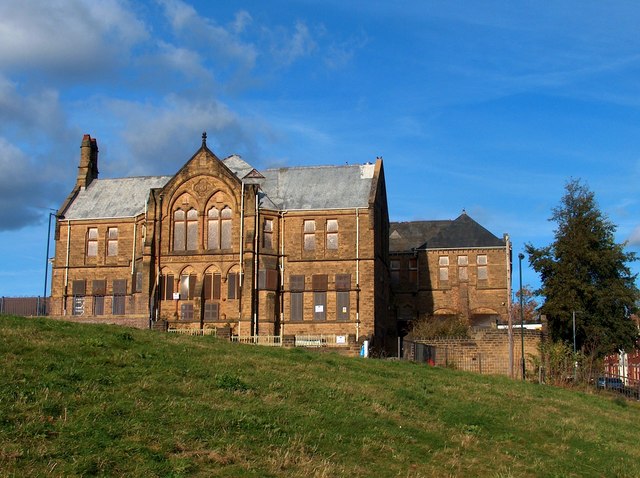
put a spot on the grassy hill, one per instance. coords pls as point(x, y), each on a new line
point(82, 400)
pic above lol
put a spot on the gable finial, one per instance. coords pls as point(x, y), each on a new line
point(204, 138)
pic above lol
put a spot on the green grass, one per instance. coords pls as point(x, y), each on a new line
point(83, 400)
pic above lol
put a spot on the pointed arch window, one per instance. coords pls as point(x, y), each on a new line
point(225, 226)
point(213, 229)
point(185, 230)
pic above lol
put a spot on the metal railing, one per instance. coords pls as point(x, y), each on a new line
point(186, 331)
point(267, 340)
point(321, 340)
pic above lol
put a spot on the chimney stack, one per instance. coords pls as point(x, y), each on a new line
point(88, 169)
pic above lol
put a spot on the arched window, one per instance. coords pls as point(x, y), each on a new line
point(219, 228)
point(185, 230)
point(213, 229)
point(225, 242)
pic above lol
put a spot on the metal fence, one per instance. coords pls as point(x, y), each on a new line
point(186, 331)
point(268, 340)
point(24, 306)
point(321, 340)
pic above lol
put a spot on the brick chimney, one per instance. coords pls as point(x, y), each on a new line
point(88, 169)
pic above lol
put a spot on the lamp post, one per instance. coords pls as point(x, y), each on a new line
point(520, 257)
point(46, 263)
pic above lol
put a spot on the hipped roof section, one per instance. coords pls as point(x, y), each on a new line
point(462, 232)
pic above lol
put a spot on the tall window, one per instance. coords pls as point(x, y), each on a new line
point(212, 283)
point(267, 234)
point(413, 270)
point(343, 285)
point(309, 235)
point(187, 286)
point(112, 241)
point(296, 284)
point(483, 273)
point(232, 285)
point(119, 294)
point(99, 291)
point(225, 225)
point(463, 273)
point(319, 284)
point(185, 230)
point(78, 290)
point(332, 234)
point(219, 228)
point(92, 242)
point(395, 271)
point(443, 271)
point(166, 287)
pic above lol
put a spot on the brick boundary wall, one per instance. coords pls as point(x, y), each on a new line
point(485, 351)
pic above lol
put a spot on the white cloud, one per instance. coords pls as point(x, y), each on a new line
point(75, 37)
point(634, 238)
point(288, 47)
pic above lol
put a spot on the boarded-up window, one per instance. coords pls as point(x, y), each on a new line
point(395, 271)
point(483, 274)
point(267, 234)
point(213, 229)
point(92, 242)
point(332, 234)
point(211, 311)
point(98, 305)
point(482, 260)
point(232, 285)
point(99, 287)
point(186, 311)
point(309, 235)
point(211, 286)
point(343, 281)
point(79, 287)
point(296, 283)
point(187, 286)
point(166, 287)
point(226, 215)
point(443, 272)
point(112, 241)
point(319, 282)
point(342, 305)
point(297, 306)
point(179, 230)
point(319, 305)
point(463, 273)
point(413, 270)
point(268, 279)
point(119, 295)
point(192, 230)
point(138, 281)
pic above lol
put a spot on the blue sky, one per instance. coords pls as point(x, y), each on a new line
point(488, 106)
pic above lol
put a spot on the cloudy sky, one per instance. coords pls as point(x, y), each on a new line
point(485, 106)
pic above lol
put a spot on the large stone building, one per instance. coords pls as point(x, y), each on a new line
point(449, 268)
point(278, 252)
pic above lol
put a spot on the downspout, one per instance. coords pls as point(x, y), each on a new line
point(357, 274)
point(241, 276)
point(66, 269)
point(256, 297)
point(159, 254)
point(281, 232)
point(133, 251)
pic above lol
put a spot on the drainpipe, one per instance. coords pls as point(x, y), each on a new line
point(66, 269)
point(509, 318)
point(241, 275)
point(357, 274)
point(281, 232)
point(256, 296)
point(159, 253)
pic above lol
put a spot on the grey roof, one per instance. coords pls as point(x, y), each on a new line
point(106, 198)
point(238, 166)
point(462, 232)
point(319, 187)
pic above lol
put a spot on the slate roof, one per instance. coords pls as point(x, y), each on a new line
point(107, 198)
point(462, 232)
point(299, 188)
point(319, 187)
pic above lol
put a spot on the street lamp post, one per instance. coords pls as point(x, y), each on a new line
point(520, 257)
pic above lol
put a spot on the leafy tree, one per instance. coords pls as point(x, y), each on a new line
point(585, 270)
point(529, 306)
